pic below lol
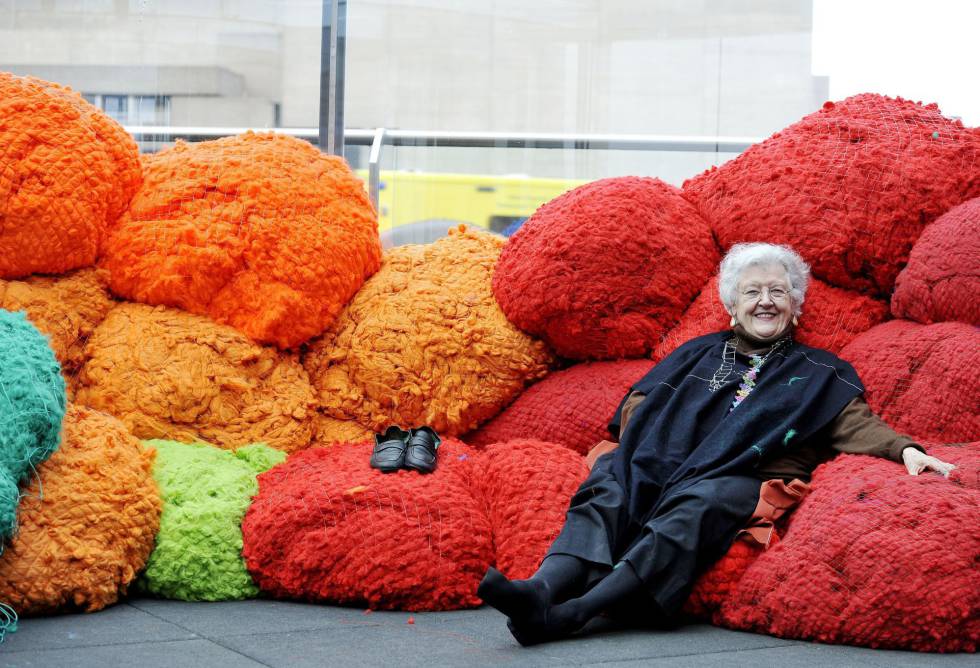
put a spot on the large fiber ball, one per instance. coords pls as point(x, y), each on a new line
point(604, 270)
point(328, 430)
point(67, 309)
point(327, 527)
point(32, 406)
point(177, 376)
point(87, 524)
point(571, 407)
point(205, 492)
point(831, 318)
point(874, 557)
point(67, 172)
point(526, 486)
point(259, 231)
point(424, 342)
point(850, 187)
point(942, 279)
point(921, 379)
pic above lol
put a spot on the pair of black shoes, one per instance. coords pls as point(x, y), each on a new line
point(413, 449)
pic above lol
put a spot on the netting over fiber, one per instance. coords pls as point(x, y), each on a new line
point(525, 485)
point(86, 525)
point(831, 318)
point(67, 309)
point(571, 407)
point(205, 492)
point(873, 557)
point(942, 279)
point(850, 186)
point(921, 379)
point(32, 406)
point(604, 270)
point(327, 527)
point(424, 342)
point(178, 376)
point(67, 172)
point(259, 231)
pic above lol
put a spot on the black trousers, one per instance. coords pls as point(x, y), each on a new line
point(687, 534)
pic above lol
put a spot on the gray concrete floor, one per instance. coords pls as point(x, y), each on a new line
point(148, 633)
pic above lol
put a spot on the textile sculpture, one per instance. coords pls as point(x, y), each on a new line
point(849, 187)
point(178, 376)
point(873, 557)
point(205, 492)
point(831, 318)
point(67, 172)
point(942, 279)
point(67, 309)
point(571, 407)
point(424, 342)
point(262, 232)
point(32, 406)
point(921, 379)
point(327, 527)
point(602, 271)
point(86, 525)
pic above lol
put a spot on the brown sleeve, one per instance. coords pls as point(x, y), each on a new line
point(632, 401)
point(858, 431)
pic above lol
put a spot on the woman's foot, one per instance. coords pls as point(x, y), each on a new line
point(521, 600)
point(555, 622)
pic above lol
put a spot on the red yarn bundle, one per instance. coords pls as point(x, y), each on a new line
point(604, 270)
point(327, 527)
point(850, 187)
point(942, 279)
point(571, 407)
point(921, 379)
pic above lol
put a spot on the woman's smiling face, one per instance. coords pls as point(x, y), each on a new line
point(763, 305)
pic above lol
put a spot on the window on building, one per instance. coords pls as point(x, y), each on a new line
point(117, 106)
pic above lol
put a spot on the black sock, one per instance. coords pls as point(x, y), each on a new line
point(528, 599)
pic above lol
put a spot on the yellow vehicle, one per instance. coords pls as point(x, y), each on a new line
point(416, 207)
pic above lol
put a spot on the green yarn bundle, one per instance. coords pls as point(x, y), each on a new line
point(32, 407)
point(205, 492)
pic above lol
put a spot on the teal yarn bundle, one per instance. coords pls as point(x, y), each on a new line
point(205, 492)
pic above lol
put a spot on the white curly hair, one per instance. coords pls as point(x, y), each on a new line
point(742, 256)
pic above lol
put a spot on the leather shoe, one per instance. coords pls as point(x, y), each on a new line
point(421, 452)
point(389, 449)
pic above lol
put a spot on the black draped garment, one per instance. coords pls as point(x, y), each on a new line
point(671, 498)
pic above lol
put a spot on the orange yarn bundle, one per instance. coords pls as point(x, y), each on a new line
point(258, 231)
point(173, 375)
point(87, 524)
point(67, 172)
point(424, 342)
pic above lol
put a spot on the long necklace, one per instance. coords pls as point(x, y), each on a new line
point(748, 378)
point(722, 373)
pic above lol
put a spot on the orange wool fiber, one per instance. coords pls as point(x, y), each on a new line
point(177, 376)
point(67, 172)
point(425, 343)
point(87, 522)
point(258, 231)
point(67, 309)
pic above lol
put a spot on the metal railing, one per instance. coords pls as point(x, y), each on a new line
point(378, 138)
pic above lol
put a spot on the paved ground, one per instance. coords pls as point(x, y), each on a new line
point(149, 633)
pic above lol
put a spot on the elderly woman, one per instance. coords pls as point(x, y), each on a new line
point(699, 437)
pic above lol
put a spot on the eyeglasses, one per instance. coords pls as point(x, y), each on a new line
point(775, 294)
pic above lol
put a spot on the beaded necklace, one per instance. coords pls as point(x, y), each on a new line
point(748, 378)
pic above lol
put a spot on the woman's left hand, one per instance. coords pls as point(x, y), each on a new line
point(917, 461)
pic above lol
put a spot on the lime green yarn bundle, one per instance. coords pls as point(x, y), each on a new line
point(205, 492)
point(32, 407)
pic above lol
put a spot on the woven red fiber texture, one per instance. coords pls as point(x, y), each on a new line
point(424, 343)
point(921, 379)
point(173, 375)
point(831, 318)
point(87, 522)
point(67, 172)
point(850, 187)
point(942, 279)
point(872, 557)
point(716, 585)
point(602, 271)
point(571, 407)
point(262, 232)
point(327, 527)
point(526, 485)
